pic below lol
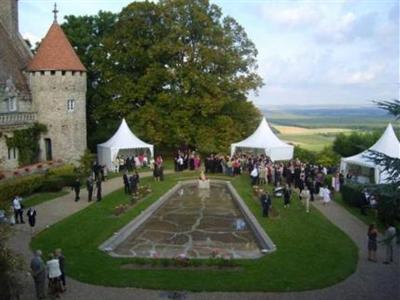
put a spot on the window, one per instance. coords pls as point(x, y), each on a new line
point(12, 153)
point(12, 104)
point(71, 105)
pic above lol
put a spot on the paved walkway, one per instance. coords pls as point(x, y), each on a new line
point(370, 281)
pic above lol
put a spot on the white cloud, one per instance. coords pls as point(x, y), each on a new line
point(293, 16)
point(346, 28)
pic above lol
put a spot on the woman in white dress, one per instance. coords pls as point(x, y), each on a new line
point(326, 194)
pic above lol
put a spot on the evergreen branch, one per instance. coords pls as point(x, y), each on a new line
point(393, 107)
point(389, 164)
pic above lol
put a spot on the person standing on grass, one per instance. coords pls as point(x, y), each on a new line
point(61, 261)
point(265, 203)
point(389, 241)
point(39, 274)
point(305, 198)
point(90, 186)
point(286, 196)
point(77, 188)
point(254, 176)
point(126, 183)
point(372, 242)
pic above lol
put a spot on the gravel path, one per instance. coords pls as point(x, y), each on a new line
point(370, 281)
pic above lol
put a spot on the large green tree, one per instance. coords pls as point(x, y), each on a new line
point(178, 70)
point(350, 144)
point(85, 34)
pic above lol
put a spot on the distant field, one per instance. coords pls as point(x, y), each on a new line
point(350, 118)
point(293, 130)
point(314, 139)
point(315, 128)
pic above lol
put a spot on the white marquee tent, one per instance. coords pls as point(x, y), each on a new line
point(265, 140)
point(123, 140)
point(387, 144)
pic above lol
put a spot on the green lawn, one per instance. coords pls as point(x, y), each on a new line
point(38, 198)
point(312, 253)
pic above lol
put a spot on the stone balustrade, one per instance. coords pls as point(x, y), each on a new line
point(17, 118)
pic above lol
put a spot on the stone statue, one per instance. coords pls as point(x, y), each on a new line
point(10, 89)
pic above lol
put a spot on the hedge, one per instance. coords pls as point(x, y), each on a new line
point(27, 185)
point(55, 184)
point(21, 186)
point(351, 194)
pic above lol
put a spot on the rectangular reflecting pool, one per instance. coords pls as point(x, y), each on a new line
point(194, 223)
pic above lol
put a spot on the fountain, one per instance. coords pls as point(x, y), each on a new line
point(193, 222)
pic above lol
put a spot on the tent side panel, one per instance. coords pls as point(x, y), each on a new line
point(104, 157)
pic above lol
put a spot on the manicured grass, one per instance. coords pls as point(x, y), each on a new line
point(312, 253)
point(38, 198)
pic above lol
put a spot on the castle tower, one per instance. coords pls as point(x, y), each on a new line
point(9, 16)
point(57, 79)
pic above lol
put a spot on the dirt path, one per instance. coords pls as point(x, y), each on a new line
point(370, 281)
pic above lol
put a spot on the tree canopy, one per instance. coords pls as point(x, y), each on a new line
point(178, 71)
point(351, 144)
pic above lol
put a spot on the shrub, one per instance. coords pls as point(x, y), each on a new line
point(328, 180)
point(69, 180)
point(351, 194)
point(86, 163)
point(19, 186)
point(53, 184)
point(304, 154)
point(62, 170)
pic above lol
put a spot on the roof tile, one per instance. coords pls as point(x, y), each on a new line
point(55, 53)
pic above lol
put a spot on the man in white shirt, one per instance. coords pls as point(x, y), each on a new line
point(18, 209)
point(390, 241)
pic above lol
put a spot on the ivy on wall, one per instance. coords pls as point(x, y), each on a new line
point(27, 143)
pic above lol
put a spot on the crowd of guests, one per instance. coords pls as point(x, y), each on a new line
point(53, 270)
point(131, 162)
point(308, 181)
point(187, 160)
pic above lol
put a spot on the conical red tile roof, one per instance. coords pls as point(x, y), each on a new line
point(55, 53)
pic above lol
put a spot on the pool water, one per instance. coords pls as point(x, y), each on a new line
point(194, 223)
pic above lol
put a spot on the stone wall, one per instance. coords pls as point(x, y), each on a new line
point(5, 162)
point(9, 15)
point(51, 91)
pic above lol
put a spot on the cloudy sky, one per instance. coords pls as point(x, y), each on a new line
point(319, 52)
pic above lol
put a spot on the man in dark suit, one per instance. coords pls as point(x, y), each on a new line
point(265, 203)
point(98, 187)
point(89, 186)
point(77, 188)
point(126, 183)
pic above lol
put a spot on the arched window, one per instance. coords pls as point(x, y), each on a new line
point(71, 104)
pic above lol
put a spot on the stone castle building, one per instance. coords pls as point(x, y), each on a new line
point(48, 87)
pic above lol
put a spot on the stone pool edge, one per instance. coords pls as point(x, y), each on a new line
point(108, 246)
